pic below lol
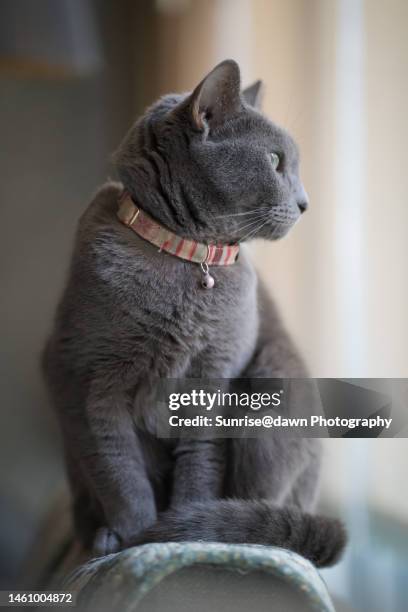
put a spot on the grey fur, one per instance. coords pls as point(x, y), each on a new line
point(130, 315)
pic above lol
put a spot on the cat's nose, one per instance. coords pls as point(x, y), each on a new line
point(302, 199)
point(303, 206)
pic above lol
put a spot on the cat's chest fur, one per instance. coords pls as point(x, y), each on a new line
point(188, 330)
point(148, 308)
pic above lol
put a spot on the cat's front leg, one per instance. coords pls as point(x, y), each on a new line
point(277, 467)
point(112, 461)
point(198, 471)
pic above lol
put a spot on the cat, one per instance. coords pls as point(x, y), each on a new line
point(210, 167)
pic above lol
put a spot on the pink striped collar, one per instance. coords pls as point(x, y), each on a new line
point(190, 250)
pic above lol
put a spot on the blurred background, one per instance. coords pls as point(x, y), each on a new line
point(73, 76)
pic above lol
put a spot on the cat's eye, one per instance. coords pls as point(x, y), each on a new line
point(275, 160)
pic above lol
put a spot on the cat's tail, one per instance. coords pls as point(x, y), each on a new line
point(319, 539)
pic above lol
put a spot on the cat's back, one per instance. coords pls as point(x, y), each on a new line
point(81, 289)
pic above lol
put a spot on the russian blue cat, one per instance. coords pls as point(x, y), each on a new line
point(211, 168)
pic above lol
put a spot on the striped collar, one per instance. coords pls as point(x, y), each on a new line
point(149, 229)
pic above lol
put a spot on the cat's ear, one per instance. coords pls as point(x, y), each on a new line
point(253, 95)
point(217, 97)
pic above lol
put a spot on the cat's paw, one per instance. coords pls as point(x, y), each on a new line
point(106, 541)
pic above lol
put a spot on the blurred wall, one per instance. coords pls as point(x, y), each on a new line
point(56, 139)
point(387, 198)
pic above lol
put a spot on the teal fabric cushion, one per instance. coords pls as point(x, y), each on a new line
point(199, 576)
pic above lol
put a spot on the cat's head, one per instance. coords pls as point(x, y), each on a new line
point(211, 166)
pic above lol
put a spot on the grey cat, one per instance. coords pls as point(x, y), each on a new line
point(205, 165)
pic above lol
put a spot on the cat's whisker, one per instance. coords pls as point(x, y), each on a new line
point(239, 214)
point(250, 222)
point(254, 231)
point(254, 221)
point(258, 214)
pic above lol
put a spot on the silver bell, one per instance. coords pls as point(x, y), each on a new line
point(207, 281)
